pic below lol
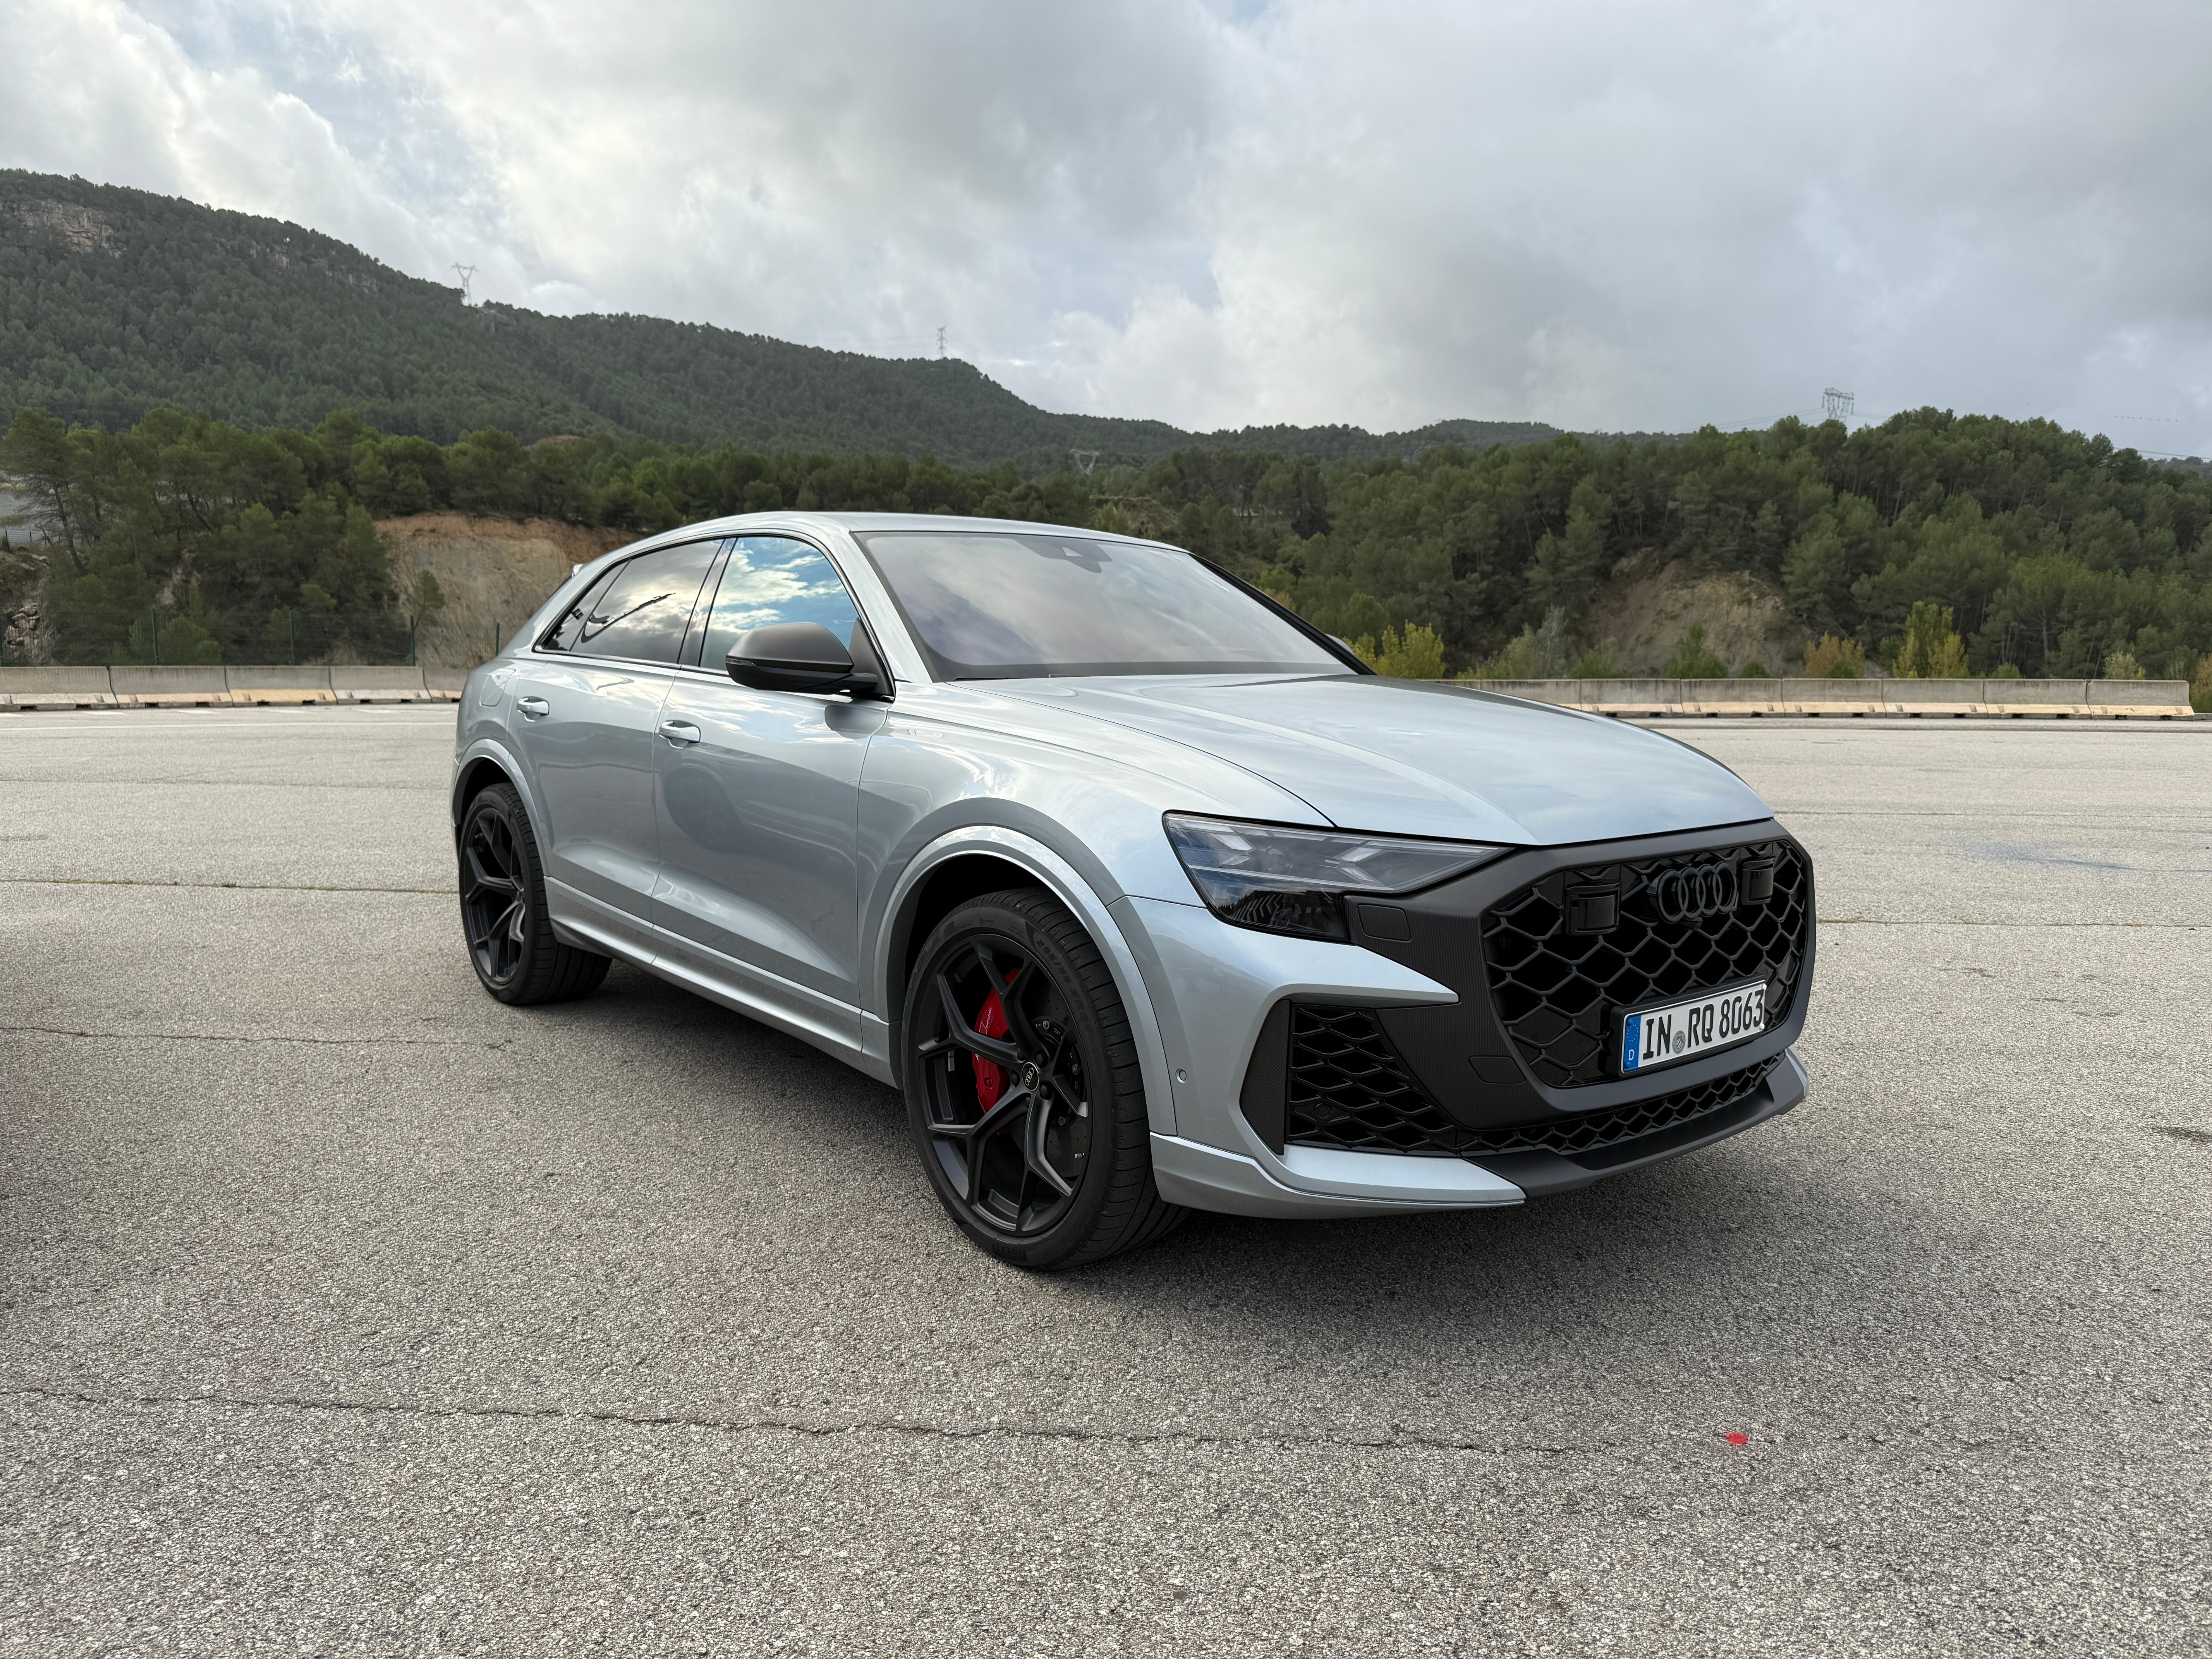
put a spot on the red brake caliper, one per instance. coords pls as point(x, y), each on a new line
point(991, 1022)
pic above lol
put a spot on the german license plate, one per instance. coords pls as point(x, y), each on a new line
point(1675, 1031)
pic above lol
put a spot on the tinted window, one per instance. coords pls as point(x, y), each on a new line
point(563, 635)
point(639, 612)
point(774, 579)
point(987, 605)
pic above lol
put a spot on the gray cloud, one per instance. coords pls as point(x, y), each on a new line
point(1611, 214)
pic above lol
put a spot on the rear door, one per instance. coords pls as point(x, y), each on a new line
point(758, 801)
point(585, 702)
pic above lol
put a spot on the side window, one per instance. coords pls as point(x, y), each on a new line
point(641, 610)
point(562, 634)
point(774, 579)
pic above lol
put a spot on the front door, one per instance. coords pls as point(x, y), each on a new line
point(757, 802)
point(585, 703)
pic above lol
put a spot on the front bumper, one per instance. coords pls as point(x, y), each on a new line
point(1484, 1126)
point(1311, 1184)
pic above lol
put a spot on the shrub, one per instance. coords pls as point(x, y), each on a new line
point(1754, 669)
point(1519, 658)
point(2123, 666)
point(1932, 649)
point(2200, 686)
point(2005, 671)
point(1692, 661)
point(1418, 654)
point(1831, 658)
point(1599, 662)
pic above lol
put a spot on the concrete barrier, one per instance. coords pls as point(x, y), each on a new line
point(280, 682)
point(445, 682)
point(1895, 699)
point(366, 683)
point(55, 688)
point(147, 686)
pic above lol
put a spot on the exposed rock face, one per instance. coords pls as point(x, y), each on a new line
point(494, 573)
point(1645, 606)
point(25, 631)
point(80, 229)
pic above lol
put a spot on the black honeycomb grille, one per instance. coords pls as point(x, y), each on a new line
point(1350, 1090)
point(1556, 991)
point(1591, 1131)
point(1351, 1093)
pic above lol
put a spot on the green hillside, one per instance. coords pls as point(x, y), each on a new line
point(114, 302)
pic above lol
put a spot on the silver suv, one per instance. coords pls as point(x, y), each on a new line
point(1146, 894)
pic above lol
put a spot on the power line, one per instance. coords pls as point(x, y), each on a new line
point(1837, 405)
point(1085, 460)
point(464, 272)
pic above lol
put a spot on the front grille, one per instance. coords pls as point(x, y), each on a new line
point(1557, 990)
point(1351, 1093)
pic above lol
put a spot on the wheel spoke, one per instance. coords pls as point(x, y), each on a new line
point(1018, 1022)
point(1011, 1105)
point(483, 878)
point(1033, 1152)
point(960, 1032)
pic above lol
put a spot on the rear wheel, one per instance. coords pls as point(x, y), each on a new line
point(1023, 1087)
point(503, 914)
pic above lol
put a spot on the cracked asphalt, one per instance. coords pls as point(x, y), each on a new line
point(350, 1312)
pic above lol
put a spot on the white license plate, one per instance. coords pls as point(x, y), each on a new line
point(1673, 1032)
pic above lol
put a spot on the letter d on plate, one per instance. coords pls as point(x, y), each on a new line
point(1632, 1038)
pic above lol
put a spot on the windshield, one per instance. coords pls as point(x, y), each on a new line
point(986, 606)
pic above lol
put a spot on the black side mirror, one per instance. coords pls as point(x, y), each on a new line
point(798, 657)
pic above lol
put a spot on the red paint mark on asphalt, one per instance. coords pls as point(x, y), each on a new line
point(1739, 1440)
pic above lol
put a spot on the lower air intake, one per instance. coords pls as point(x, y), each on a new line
point(1349, 1091)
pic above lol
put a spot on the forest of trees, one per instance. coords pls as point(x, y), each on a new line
point(1930, 543)
point(115, 302)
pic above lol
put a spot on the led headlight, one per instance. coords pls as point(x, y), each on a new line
point(1293, 881)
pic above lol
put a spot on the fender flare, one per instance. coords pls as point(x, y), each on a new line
point(490, 749)
point(1060, 877)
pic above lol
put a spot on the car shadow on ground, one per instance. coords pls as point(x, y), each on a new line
point(1758, 1241)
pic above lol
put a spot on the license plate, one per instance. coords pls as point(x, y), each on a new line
point(1674, 1031)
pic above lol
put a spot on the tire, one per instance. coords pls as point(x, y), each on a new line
point(503, 914)
point(1013, 1020)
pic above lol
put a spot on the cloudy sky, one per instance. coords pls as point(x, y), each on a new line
point(1602, 215)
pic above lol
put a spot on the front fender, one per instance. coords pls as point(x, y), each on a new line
point(1060, 876)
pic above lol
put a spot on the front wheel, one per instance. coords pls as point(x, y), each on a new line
point(503, 913)
point(1023, 1088)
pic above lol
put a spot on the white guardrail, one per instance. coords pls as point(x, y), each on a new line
point(222, 688)
point(1651, 699)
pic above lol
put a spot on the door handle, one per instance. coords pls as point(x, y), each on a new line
point(535, 707)
point(682, 733)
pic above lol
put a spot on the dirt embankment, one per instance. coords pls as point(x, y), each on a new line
point(1647, 605)
point(495, 573)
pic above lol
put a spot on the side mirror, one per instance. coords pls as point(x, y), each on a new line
point(797, 657)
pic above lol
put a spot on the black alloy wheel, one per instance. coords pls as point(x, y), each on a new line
point(503, 914)
point(1022, 1086)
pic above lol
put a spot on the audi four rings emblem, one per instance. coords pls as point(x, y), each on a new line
point(1701, 891)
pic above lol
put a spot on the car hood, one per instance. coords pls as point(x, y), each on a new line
point(1413, 757)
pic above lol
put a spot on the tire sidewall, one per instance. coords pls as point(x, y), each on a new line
point(987, 918)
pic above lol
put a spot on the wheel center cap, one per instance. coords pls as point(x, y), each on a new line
point(1032, 1075)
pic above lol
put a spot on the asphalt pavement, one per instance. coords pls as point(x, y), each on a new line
point(349, 1312)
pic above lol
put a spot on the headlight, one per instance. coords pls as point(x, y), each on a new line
point(1293, 881)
